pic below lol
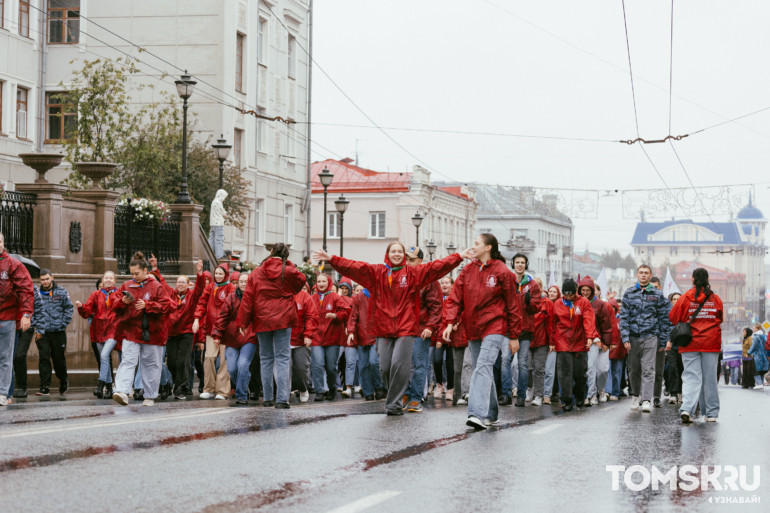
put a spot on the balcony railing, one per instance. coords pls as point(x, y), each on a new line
point(16, 221)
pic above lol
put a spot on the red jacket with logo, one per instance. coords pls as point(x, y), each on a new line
point(210, 304)
point(431, 307)
point(307, 319)
point(181, 319)
point(330, 332)
point(484, 296)
point(103, 323)
point(543, 325)
point(128, 320)
point(603, 313)
point(395, 310)
point(16, 296)
point(226, 330)
point(572, 330)
point(268, 301)
point(457, 338)
point(706, 328)
point(528, 284)
point(358, 323)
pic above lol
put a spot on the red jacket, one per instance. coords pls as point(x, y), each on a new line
point(358, 322)
point(103, 322)
point(543, 325)
point(485, 297)
point(331, 332)
point(128, 319)
point(268, 302)
point(572, 331)
point(457, 338)
point(307, 319)
point(16, 297)
point(395, 310)
point(603, 313)
point(706, 328)
point(431, 307)
point(225, 328)
point(210, 304)
point(349, 301)
point(528, 313)
point(181, 319)
point(619, 352)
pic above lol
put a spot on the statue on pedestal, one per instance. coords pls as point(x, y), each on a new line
point(217, 224)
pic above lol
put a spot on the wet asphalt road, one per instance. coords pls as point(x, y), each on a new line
point(83, 454)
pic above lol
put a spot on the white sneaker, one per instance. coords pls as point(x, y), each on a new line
point(304, 396)
point(646, 408)
point(759, 387)
point(515, 393)
point(603, 397)
point(537, 401)
point(357, 390)
point(492, 423)
point(594, 401)
point(120, 398)
point(206, 395)
point(3, 400)
point(148, 402)
point(449, 395)
point(348, 392)
point(678, 398)
point(475, 423)
point(530, 394)
point(462, 401)
point(613, 398)
point(438, 392)
point(672, 399)
point(711, 419)
point(220, 397)
point(635, 402)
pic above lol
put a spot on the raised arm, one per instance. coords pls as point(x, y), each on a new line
point(432, 271)
point(361, 272)
point(89, 308)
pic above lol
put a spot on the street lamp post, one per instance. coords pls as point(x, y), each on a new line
point(431, 249)
point(417, 221)
point(342, 205)
point(451, 248)
point(223, 152)
point(184, 88)
point(326, 180)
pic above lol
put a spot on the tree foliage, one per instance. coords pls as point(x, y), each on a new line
point(614, 260)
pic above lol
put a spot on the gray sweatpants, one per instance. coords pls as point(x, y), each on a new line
point(467, 371)
point(538, 356)
point(395, 368)
point(641, 366)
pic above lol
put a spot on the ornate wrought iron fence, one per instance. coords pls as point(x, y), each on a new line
point(149, 238)
point(16, 221)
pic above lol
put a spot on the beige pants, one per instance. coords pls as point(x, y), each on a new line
point(215, 382)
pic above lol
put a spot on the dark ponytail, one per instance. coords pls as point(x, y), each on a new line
point(281, 251)
point(491, 240)
point(138, 260)
point(700, 278)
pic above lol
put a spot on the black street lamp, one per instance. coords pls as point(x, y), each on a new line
point(326, 180)
point(223, 152)
point(342, 205)
point(451, 248)
point(431, 249)
point(417, 221)
point(184, 88)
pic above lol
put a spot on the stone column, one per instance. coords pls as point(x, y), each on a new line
point(47, 249)
point(104, 228)
point(190, 248)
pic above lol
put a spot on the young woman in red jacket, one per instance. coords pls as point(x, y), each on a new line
point(395, 289)
point(485, 297)
point(215, 383)
point(574, 332)
point(102, 330)
point(701, 356)
point(302, 334)
point(359, 334)
point(333, 313)
point(239, 347)
point(540, 346)
point(348, 358)
point(141, 307)
point(180, 333)
point(552, 295)
point(268, 307)
point(454, 350)
point(618, 352)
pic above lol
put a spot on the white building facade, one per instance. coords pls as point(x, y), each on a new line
point(248, 54)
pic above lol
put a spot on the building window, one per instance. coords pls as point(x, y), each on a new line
point(259, 219)
point(333, 225)
point(261, 132)
point(24, 18)
point(239, 39)
point(237, 145)
point(261, 40)
point(518, 234)
point(61, 116)
point(2, 13)
point(63, 21)
point(21, 112)
point(292, 52)
point(288, 224)
point(376, 225)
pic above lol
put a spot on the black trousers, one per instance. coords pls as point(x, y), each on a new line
point(178, 354)
point(674, 369)
point(255, 383)
point(20, 358)
point(438, 365)
point(572, 376)
point(52, 346)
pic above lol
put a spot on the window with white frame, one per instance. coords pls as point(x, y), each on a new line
point(261, 132)
point(262, 42)
point(376, 225)
point(288, 224)
point(22, 95)
point(237, 147)
point(259, 220)
point(292, 56)
point(333, 225)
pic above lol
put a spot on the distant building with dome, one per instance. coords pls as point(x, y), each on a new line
point(732, 251)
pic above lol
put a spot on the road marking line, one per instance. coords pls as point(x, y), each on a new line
point(111, 424)
point(546, 429)
point(366, 502)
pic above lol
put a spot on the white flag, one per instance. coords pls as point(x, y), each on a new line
point(602, 282)
point(670, 286)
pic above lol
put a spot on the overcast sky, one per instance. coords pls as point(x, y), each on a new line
point(555, 68)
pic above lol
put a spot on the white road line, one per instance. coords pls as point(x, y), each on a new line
point(546, 429)
point(366, 502)
point(62, 429)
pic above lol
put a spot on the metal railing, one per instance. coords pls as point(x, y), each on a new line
point(149, 238)
point(16, 217)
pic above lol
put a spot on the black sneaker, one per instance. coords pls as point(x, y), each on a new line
point(656, 402)
point(520, 402)
point(20, 392)
point(64, 386)
point(44, 390)
point(108, 391)
point(369, 398)
point(139, 394)
point(268, 404)
point(319, 398)
point(165, 391)
point(506, 400)
point(330, 395)
point(380, 394)
point(566, 408)
point(179, 394)
point(282, 406)
point(395, 413)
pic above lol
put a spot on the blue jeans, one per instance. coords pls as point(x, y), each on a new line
point(217, 240)
point(734, 371)
point(482, 397)
point(369, 370)
point(550, 373)
point(275, 362)
point(518, 376)
point(616, 375)
point(598, 369)
point(351, 364)
point(105, 360)
point(416, 389)
point(324, 358)
point(7, 342)
point(238, 362)
point(699, 383)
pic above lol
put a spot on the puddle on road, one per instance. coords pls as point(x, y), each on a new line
point(51, 419)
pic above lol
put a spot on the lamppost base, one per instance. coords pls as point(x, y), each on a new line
point(183, 198)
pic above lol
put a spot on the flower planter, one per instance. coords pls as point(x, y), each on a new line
point(95, 171)
point(42, 163)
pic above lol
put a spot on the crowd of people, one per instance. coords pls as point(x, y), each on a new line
point(398, 331)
